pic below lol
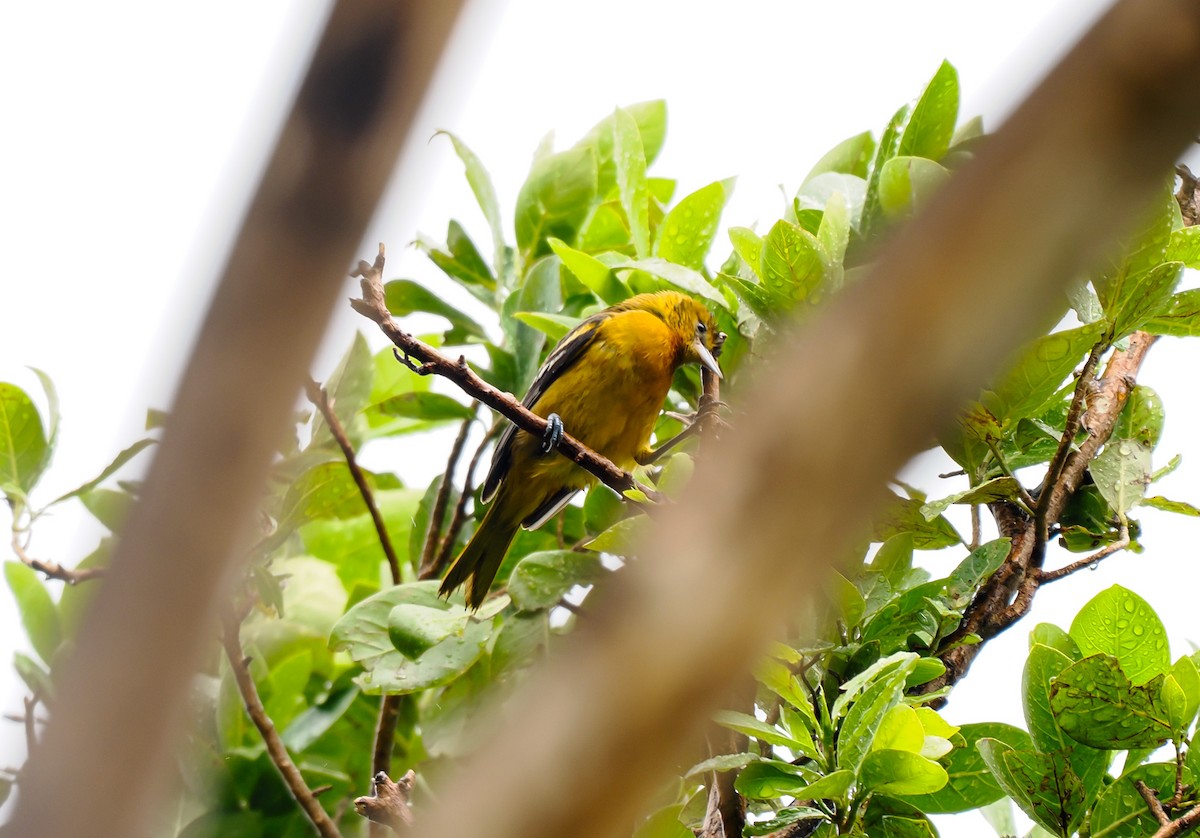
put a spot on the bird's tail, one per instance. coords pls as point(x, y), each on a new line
point(480, 560)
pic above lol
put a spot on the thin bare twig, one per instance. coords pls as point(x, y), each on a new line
point(1085, 385)
point(425, 360)
point(31, 703)
point(319, 396)
point(238, 663)
point(1044, 576)
point(438, 513)
point(53, 570)
point(446, 551)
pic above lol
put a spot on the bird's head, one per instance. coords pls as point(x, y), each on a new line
point(699, 339)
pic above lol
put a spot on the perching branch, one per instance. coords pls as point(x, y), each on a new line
point(388, 803)
point(239, 664)
point(1044, 576)
point(423, 359)
point(319, 396)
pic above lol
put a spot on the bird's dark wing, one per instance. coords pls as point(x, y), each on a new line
point(561, 358)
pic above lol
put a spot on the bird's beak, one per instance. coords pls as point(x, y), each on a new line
point(706, 358)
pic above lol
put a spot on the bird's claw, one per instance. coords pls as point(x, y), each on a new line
point(553, 434)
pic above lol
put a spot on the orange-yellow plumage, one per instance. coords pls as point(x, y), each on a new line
point(607, 381)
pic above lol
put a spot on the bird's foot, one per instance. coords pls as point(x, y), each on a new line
point(553, 434)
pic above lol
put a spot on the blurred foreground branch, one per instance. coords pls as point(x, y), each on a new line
point(619, 699)
point(150, 622)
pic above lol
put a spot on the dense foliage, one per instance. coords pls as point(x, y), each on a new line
point(844, 739)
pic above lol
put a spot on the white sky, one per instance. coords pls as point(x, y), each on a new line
point(135, 130)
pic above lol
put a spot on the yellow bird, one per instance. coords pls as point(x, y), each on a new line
point(604, 383)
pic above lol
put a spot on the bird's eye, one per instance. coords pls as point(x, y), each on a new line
point(701, 328)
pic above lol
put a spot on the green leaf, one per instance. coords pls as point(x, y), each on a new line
point(433, 407)
point(834, 237)
point(1181, 694)
point(1120, 623)
point(1142, 417)
point(110, 507)
point(1121, 472)
point(54, 419)
point(597, 276)
point(686, 233)
point(1043, 785)
point(1048, 634)
point(748, 244)
point(415, 629)
point(630, 161)
point(651, 119)
point(864, 718)
point(403, 297)
point(771, 778)
point(763, 732)
point(1184, 246)
point(907, 182)
point(485, 194)
point(881, 670)
point(784, 818)
point(723, 762)
point(621, 538)
point(970, 784)
point(930, 128)
point(1042, 667)
point(903, 515)
point(349, 388)
point(684, 279)
point(23, 446)
point(900, 729)
point(316, 720)
point(894, 558)
point(1095, 703)
point(1168, 505)
point(324, 491)
point(1121, 812)
point(792, 267)
point(554, 200)
point(901, 772)
point(363, 633)
point(39, 615)
point(1137, 283)
point(118, 461)
point(35, 677)
point(1147, 296)
point(663, 824)
point(1179, 316)
point(990, 491)
point(541, 291)
point(888, 147)
point(850, 157)
point(983, 561)
point(1029, 386)
point(553, 326)
point(541, 579)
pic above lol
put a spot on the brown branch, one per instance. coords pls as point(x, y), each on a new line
point(388, 803)
point(30, 722)
point(319, 396)
point(446, 550)
point(53, 570)
point(1044, 576)
point(438, 513)
point(1152, 802)
point(423, 359)
point(1084, 386)
point(1008, 595)
point(1180, 826)
point(287, 769)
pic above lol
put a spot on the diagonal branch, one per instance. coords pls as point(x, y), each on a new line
point(446, 550)
point(319, 396)
point(266, 728)
point(423, 359)
point(437, 514)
